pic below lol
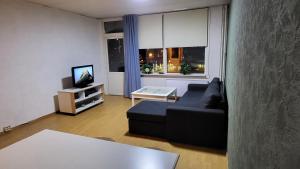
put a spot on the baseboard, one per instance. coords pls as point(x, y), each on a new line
point(20, 125)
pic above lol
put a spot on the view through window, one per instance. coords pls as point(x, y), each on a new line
point(153, 58)
point(115, 55)
point(194, 56)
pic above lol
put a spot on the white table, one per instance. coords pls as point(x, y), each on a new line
point(154, 93)
point(56, 150)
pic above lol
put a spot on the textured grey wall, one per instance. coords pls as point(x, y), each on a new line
point(263, 84)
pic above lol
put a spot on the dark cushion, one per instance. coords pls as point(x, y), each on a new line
point(149, 111)
point(191, 99)
point(197, 87)
point(215, 80)
point(212, 95)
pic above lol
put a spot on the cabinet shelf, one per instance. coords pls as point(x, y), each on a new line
point(89, 105)
point(88, 97)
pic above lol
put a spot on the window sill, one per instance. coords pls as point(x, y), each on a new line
point(176, 75)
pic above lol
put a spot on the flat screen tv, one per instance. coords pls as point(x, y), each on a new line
point(82, 75)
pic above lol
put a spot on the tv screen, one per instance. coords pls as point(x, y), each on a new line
point(82, 75)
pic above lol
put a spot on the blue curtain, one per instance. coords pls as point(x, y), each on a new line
point(131, 55)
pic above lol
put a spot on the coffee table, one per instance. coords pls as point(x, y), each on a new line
point(56, 150)
point(154, 93)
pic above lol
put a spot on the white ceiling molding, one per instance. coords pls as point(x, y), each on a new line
point(116, 8)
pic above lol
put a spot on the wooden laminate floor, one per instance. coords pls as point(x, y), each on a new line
point(109, 120)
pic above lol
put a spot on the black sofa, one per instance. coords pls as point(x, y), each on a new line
point(199, 117)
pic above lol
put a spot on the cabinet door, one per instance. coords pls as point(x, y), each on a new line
point(66, 102)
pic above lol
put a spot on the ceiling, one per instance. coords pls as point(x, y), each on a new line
point(117, 8)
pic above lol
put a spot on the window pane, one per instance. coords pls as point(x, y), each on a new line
point(115, 55)
point(192, 55)
point(113, 27)
point(153, 57)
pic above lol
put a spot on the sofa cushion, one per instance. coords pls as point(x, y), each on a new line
point(215, 80)
point(191, 99)
point(151, 111)
point(212, 95)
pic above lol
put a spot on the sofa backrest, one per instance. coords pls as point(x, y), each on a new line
point(212, 96)
point(223, 103)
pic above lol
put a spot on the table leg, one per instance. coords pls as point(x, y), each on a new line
point(132, 101)
point(175, 94)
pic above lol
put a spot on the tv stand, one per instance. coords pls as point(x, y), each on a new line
point(75, 100)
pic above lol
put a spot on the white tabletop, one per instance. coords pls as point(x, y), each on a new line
point(56, 150)
point(155, 91)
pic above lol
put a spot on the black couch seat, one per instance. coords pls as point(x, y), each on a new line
point(149, 111)
point(148, 118)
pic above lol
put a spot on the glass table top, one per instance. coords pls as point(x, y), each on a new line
point(150, 90)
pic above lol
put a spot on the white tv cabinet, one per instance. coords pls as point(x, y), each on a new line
point(75, 100)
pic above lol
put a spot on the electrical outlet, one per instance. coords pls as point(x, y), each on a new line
point(6, 129)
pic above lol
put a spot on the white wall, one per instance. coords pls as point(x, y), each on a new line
point(213, 54)
point(215, 41)
point(38, 47)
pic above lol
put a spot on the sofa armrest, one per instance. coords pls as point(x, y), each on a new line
point(195, 87)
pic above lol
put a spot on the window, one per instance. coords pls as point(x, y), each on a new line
point(164, 49)
point(153, 57)
point(194, 56)
point(113, 27)
point(115, 49)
